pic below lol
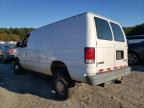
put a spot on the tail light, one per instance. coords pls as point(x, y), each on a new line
point(89, 55)
point(11, 51)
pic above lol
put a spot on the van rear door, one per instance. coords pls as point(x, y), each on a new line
point(120, 46)
point(104, 46)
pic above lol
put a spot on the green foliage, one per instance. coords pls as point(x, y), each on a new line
point(136, 30)
point(13, 34)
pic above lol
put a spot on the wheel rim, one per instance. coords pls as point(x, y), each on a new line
point(60, 87)
point(133, 59)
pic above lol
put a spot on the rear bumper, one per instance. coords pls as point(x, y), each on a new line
point(108, 76)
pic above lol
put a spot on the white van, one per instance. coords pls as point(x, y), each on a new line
point(86, 48)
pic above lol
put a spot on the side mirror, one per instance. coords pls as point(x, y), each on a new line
point(18, 44)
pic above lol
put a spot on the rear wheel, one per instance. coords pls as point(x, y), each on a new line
point(61, 85)
point(133, 58)
point(18, 70)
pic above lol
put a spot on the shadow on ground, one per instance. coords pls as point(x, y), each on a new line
point(33, 83)
point(29, 83)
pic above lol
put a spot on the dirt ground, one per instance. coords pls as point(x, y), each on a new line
point(32, 90)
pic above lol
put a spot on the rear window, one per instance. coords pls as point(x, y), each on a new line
point(118, 34)
point(103, 29)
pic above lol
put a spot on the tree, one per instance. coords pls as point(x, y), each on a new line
point(14, 34)
point(136, 30)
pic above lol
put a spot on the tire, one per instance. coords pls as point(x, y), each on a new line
point(61, 85)
point(133, 58)
point(18, 70)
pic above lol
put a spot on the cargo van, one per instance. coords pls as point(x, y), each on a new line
point(87, 48)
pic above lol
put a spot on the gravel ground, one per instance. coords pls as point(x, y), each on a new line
point(33, 90)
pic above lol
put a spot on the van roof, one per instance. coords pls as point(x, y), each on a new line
point(97, 15)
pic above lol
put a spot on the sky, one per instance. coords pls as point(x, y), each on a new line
point(37, 13)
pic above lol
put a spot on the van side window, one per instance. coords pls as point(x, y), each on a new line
point(103, 29)
point(118, 34)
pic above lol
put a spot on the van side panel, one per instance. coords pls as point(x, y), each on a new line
point(62, 41)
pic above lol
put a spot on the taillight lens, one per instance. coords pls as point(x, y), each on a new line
point(89, 55)
point(11, 51)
